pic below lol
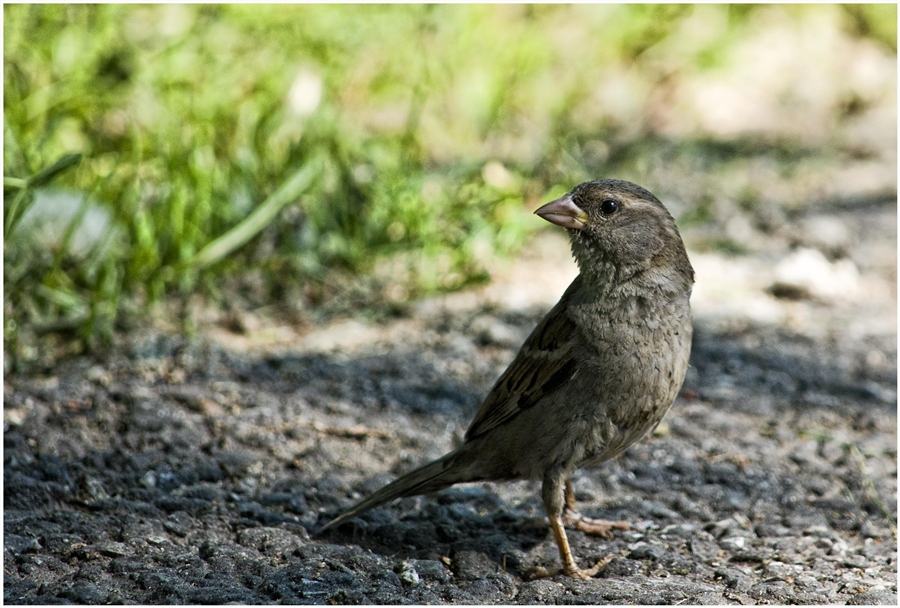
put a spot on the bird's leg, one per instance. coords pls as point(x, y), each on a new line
point(553, 504)
point(600, 527)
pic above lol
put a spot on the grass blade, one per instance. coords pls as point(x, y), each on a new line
point(26, 187)
point(259, 218)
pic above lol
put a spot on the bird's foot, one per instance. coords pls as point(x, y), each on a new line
point(585, 573)
point(569, 570)
point(598, 527)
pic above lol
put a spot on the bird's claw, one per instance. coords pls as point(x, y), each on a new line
point(586, 573)
point(569, 570)
point(597, 527)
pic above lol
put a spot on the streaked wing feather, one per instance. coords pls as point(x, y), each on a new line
point(544, 364)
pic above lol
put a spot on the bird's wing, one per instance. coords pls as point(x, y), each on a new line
point(544, 363)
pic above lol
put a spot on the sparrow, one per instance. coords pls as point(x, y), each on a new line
point(597, 373)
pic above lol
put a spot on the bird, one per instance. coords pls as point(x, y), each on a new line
point(599, 371)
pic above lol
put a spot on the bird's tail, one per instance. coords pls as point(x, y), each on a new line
point(431, 477)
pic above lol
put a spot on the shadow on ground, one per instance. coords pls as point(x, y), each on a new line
point(175, 471)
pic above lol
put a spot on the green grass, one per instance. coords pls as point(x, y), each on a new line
point(437, 130)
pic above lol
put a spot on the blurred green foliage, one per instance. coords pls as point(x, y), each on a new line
point(433, 131)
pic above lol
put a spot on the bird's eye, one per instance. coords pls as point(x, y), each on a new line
point(608, 207)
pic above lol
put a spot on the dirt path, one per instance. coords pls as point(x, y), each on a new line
point(177, 471)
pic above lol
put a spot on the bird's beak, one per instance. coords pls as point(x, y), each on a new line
point(563, 212)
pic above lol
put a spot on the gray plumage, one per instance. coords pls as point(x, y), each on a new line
point(597, 373)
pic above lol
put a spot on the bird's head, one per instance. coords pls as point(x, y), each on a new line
point(619, 224)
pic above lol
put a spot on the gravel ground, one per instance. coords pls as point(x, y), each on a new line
point(196, 471)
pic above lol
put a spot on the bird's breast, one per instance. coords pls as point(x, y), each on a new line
point(639, 358)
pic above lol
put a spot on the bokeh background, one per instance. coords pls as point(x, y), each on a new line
point(345, 160)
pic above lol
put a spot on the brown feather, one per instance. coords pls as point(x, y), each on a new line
point(544, 364)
